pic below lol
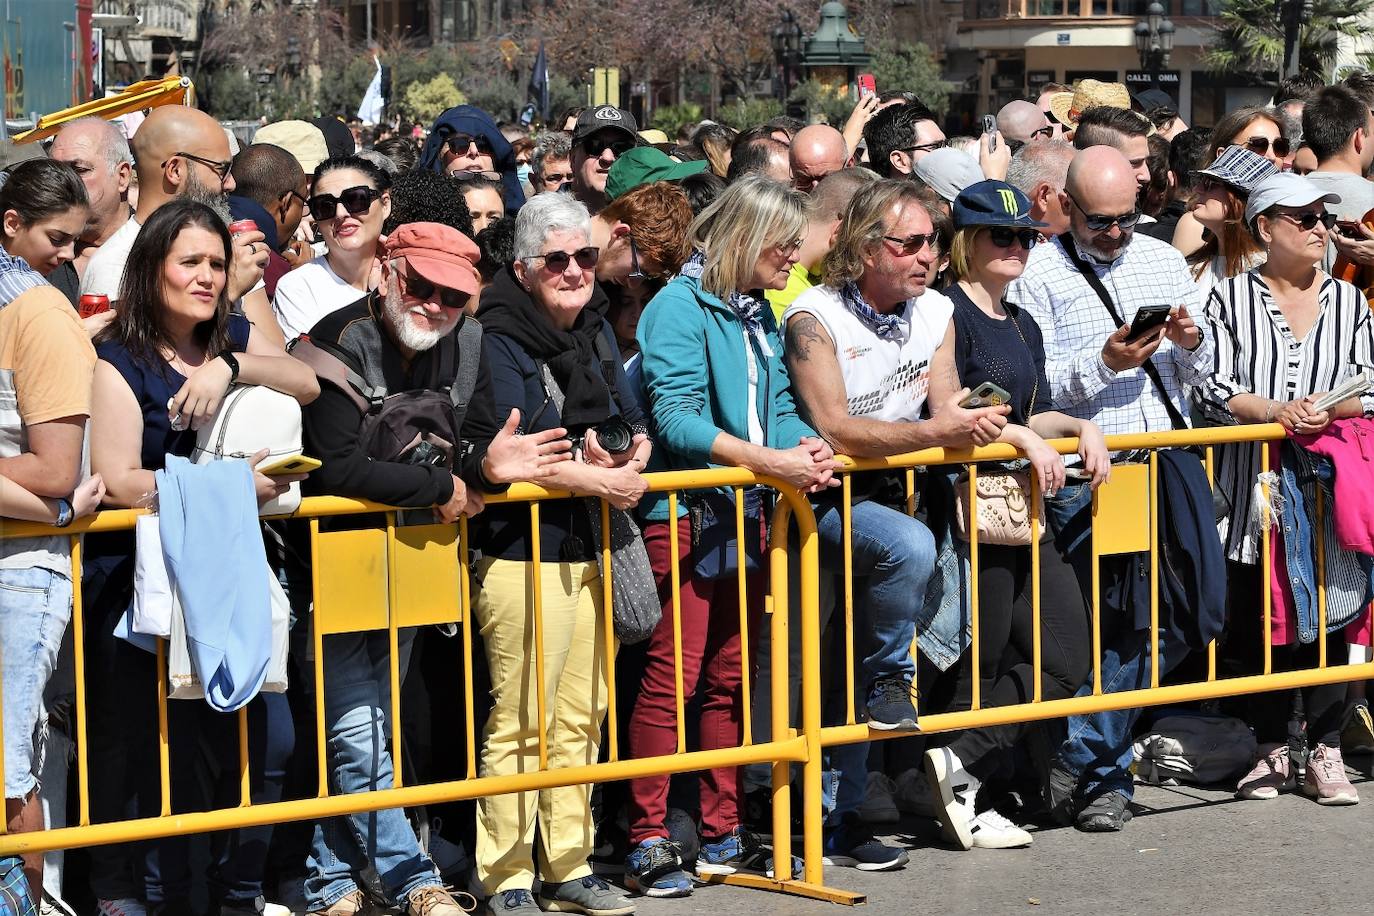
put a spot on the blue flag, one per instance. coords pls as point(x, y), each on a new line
point(539, 83)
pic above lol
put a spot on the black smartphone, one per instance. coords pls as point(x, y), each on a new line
point(990, 128)
point(1147, 319)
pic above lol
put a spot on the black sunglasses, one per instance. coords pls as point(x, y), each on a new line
point(912, 243)
point(1006, 236)
point(635, 272)
point(473, 176)
point(356, 201)
point(220, 167)
point(557, 261)
point(459, 143)
point(421, 288)
point(1260, 146)
point(1308, 221)
point(1099, 223)
point(595, 146)
point(926, 147)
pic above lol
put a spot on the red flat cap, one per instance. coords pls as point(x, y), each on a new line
point(441, 254)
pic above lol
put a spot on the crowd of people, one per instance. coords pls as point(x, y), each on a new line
point(582, 306)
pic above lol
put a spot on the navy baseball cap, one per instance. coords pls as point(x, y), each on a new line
point(992, 203)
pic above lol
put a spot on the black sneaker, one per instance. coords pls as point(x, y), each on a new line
point(852, 845)
point(889, 705)
point(1107, 813)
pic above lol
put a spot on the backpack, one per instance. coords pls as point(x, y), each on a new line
point(254, 417)
point(420, 426)
point(1200, 750)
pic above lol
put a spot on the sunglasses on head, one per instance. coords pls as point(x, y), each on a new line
point(1006, 236)
point(1308, 220)
point(595, 146)
point(912, 243)
point(557, 261)
point(459, 143)
point(1100, 223)
point(422, 289)
point(1260, 146)
point(356, 201)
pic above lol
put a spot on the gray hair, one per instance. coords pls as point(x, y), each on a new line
point(1042, 162)
point(546, 213)
point(115, 145)
point(552, 145)
point(380, 160)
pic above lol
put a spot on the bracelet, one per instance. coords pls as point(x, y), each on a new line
point(232, 362)
point(65, 513)
point(1269, 414)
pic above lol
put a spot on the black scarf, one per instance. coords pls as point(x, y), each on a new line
point(571, 355)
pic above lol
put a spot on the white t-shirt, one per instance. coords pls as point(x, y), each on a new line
point(105, 269)
point(307, 294)
point(884, 379)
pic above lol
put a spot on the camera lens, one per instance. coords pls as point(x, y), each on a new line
point(615, 435)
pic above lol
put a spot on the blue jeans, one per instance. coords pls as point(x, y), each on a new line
point(1098, 747)
point(37, 608)
point(357, 703)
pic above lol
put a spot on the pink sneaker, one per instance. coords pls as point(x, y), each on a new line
point(1326, 780)
point(1272, 773)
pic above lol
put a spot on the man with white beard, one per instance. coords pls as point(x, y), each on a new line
point(409, 339)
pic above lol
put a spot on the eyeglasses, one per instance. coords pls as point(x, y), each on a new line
point(305, 202)
point(1046, 132)
point(1308, 221)
point(1260, 146)
point(595, 146)
point(424, 290)
point(1006, 236)
point(912, 243)
point(1100, 223)
point(635, 272)
point(926, 147)
point(557, 261)
point(219, 167)
point(555, 177)
point(786, 249)
point(356, 201)
point(473, 176)
point(460, 143)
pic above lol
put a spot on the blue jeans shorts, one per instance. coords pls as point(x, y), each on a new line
point(37, 606)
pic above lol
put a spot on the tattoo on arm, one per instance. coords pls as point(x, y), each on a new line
point(803, 332)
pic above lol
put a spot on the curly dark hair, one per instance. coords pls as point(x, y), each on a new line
point(497, 244)
point(428, 197)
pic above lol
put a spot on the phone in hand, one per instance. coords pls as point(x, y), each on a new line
point(289, 464)
point(1147, 319)
point(985, 395)
point(990, 129)
point(867, 86)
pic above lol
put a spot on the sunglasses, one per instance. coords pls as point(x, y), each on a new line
point(635, 272)
point(1260, 146)
point(1308, 221)
point(926, 147)
point(473, 176)
point(1046, 132)
point(424, 290)
point(356, 201)
point(557, 261)
point(1099, 223)
point(460, 143)
point(1209, 185)
point(595, 146)
point(555, 177)
point(912, 243)
point(219, 167)
point(1006, 236)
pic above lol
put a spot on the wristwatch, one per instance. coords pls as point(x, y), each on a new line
point(233, 363)
point(65, 513)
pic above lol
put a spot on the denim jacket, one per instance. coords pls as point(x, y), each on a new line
point(944, 622)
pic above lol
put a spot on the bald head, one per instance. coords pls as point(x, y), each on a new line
point(96, 148)
point(1100, 185)
point(816, 151)
point(1019, 120)
point(162, 147)
point(1100, 172)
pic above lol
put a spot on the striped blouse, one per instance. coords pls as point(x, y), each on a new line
point(1257, 353)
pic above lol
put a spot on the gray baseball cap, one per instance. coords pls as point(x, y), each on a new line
point(1285, 189)
point(948, 171)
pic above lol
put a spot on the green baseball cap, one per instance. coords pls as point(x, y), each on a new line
point(644, 164)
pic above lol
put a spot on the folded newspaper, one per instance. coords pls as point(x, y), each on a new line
point(1352, 387)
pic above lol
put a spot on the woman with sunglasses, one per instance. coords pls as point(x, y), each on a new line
point(466, 139)
point(720, 395)
point(552, 358)
point(1219, 196)
point(1286, 333)
point(349, 200)
point(993, 341)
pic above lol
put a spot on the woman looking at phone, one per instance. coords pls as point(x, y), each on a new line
point(991, 342)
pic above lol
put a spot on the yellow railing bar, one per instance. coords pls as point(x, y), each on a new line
point(321, 732)
point(83, 756)
point(741, 575)
point(1267, 565)
point(781, 690)
point(393, 636)
point(1210, 463)
point(537, 591)
point(465, 594)
point(608, 632)
point(1321, 578)
point(675, 576)
point(1035, 498)
point(847, 530)
point(974, 596)
point(1154, 569)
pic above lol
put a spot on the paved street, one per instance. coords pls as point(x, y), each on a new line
point(1186, 851)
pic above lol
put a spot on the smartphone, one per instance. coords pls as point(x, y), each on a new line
point(990, 128)
point(867, 85)
point(985, 395)
point(1147, 319)
point(289, 464)
point(1350, 230)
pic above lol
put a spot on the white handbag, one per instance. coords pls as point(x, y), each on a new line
point(253, 418)
point(183, 682)
point(153, 597)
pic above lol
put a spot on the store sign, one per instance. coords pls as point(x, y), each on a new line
point(1061, 38)
point(1140, 80)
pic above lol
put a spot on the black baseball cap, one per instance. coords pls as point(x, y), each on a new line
point(605, 117)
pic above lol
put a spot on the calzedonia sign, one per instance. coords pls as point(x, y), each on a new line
point(1140, 80)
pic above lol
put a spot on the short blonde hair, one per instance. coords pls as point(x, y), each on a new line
point(863, 226)
point(961, 251)
point(751, 214)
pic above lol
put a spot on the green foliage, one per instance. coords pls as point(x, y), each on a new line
point(745, 113)
point(671, 118)
point(1250, 39)
point(228, 94)
point(829, 102)
point(913, 67)
point(496, 91)
point(425, 101)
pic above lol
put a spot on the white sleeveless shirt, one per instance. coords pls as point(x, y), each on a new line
point(884, 379)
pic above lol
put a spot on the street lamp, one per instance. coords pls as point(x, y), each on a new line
point(1154, 40)
point(787, 36)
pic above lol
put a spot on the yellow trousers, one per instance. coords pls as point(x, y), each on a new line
point(575, 695)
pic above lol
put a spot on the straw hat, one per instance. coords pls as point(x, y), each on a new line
point(1088, 93)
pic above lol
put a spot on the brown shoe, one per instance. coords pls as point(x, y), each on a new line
point(353, 904)
point(433, 900)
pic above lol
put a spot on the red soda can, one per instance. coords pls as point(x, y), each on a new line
point(242, 225)
point(91, 304)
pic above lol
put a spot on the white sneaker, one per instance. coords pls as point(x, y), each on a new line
point(913, 794)
point(879, 805)
point(124, 906)
point(953, 790)
point(993, 831)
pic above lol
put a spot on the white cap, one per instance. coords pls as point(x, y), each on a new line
point(1286, 189)
point(948, 171)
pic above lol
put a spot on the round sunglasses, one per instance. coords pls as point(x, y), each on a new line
point(1260, 146)
point(1006, 236)
point(557, 261)
point(356, 201)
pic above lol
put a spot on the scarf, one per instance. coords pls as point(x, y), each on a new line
point(887, 327)
point(571, 355)
point(747, 308)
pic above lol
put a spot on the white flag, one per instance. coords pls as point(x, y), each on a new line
point(370, 111)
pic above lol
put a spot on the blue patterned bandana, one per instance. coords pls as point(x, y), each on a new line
point(746, 308)
point(887, 327)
